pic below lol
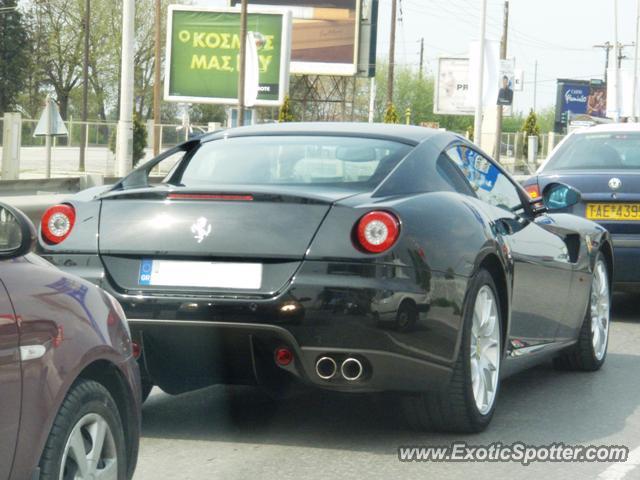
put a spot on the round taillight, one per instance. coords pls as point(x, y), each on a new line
point(57, 223)
point(378, 231)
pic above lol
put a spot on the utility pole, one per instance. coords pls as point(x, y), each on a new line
point(392, 51)
point(421, 57)
point(615, 108)
point(124, 141)
point(157, 80)
point(607, 46)
point(477, 124)
point(535, 86)
point(621, 55)
point(503, 56)
point(85, 86)
point(634, 96)
point(243, 61)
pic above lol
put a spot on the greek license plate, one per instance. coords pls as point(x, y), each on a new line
point(613, 211)
point(174, 273)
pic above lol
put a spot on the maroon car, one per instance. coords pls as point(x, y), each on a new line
point(69, 382)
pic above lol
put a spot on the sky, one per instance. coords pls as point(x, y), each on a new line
point(559, 34)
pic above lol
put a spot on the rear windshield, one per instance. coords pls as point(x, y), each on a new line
point(294, 160)
point(598, 151)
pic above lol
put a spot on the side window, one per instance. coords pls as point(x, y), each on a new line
point(488, 182)
point(452, 175)
point(420, 174)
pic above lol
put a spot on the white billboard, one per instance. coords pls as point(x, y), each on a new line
point(452, 87)
point(454, 93)
point(325, 38)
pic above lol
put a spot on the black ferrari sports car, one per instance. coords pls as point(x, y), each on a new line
point(351, 257)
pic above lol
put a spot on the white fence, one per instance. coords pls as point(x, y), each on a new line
point(512, 151)
point(98, 134)
point(99, 159)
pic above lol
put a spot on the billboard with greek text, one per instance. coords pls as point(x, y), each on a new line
point(203, 46)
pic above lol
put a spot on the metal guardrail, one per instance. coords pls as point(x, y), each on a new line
point(12, 188)
point(33, 197)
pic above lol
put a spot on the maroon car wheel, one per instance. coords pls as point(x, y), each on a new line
point(87, 438)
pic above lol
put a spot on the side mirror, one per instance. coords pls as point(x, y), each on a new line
point(558, 196)
point(17, 233)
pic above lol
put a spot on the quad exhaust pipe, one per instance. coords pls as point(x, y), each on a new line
point(351, 368)
point(326, 368)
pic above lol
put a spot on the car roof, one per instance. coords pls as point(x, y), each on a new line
point(403, 133)
point(610, 128)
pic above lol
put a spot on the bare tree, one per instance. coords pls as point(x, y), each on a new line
point(61, 22)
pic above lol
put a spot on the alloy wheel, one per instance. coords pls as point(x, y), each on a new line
point(485, 349)
point(90, 451)
point(599, 309)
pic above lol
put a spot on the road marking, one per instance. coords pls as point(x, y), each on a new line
point(618, 471)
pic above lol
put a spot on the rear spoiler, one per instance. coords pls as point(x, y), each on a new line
point(139, 177)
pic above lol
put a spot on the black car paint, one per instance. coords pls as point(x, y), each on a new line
point(594, 188)
point(200, 337)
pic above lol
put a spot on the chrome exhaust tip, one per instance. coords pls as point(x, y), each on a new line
point(326, 368)
point(351, 369)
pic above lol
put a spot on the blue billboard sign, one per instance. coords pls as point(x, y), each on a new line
point(574, 98)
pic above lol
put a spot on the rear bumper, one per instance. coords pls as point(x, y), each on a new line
point(329, 308)
point(186, 355)
point(626, 260)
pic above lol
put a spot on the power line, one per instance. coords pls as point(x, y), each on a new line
point(471, 18)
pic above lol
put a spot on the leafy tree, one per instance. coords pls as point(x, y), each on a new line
point(202, 113)
point(113, 140)
point(513, 123)
point(530, 129)
point(547, 119)
point(55, 50)
point(470, 132)
point(139, 138)
point(321, 99)
point(61, 27)
point(390, 114)
point(410, 91)
point(144, 58)
point(13, 54)
point(105, 36)
point(285, 114)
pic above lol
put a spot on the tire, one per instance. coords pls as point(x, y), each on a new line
point(87, 410)
point(585, 355)
point(147, 386)
point(455, 408)
point(407, 316)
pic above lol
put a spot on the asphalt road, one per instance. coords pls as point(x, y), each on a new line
point(237, 433)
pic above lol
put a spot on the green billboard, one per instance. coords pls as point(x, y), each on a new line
point(203, 47)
